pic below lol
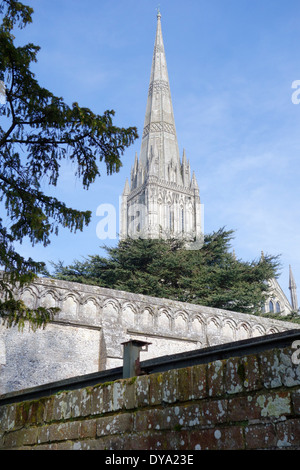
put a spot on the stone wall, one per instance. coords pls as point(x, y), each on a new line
point(248, 402)
point(87, 334)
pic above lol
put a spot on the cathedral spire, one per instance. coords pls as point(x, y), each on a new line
point(293, 289)
point(159, 133)
point(163, 201)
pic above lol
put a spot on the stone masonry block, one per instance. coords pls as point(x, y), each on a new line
point(3, 419)
point(170, 386)
point(180, 417)
point(229, 438)
point(129, 394)
point(158, 440)
point(114, 442)
point(11, 417)
point(64, 431)
point(88, 444)
point(296, 402)
point(64, 445)
point(269, 366)
point(21, 414)
point(185, 380)
point(88, 428)
point(60, 410)
point(215, 378)
point(188, 416)
point(96, 400)
point(118, 424)
point(13, 439)
point(107, 397)
point(288, 433)
point(243, 408)
point(213, 412)
point(86, 401)
point(118, 395)
point(199, 382)
point(43, 434)
point(249, 366)
point(260, 436)
point(289, 369)
point(274, 405)
point(29, 436)
point(74, 402)
point(48, 415)
point(234, 376)
point(145, 420)
point(36, 411)
point(142, 390)
point(155, 388)
point(63, 402)
point(192, 383)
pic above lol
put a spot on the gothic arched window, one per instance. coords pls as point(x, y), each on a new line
point(271, 306)
point(278, 307)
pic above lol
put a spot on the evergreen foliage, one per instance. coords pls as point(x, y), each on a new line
point(38, 130)
point(210, 276)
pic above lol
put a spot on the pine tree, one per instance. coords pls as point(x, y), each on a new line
point(40, 130)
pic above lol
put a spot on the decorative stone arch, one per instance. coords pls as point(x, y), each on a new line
point(90, 298)
point(129, 314)
point(243, 331)
point(213, 325)
point(197, 325)
point(29, 295)
point(181, 321)
point(69, 305)
point(272, 330)
point(228, 331)
point(111, 301)
point(111, 310)
point(49, 298)
point(257, 330)
point(89, 307)
point(146, 317)
point(164, 319)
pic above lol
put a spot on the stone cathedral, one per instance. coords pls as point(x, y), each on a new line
point(162, 199)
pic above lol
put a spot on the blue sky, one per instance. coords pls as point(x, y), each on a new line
point(231, 66)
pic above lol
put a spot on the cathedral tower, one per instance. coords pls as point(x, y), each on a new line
point(162, 199)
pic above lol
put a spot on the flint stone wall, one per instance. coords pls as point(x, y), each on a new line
point(87, 334)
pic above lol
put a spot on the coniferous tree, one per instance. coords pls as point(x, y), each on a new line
point(37, 131)
point(210, 276)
